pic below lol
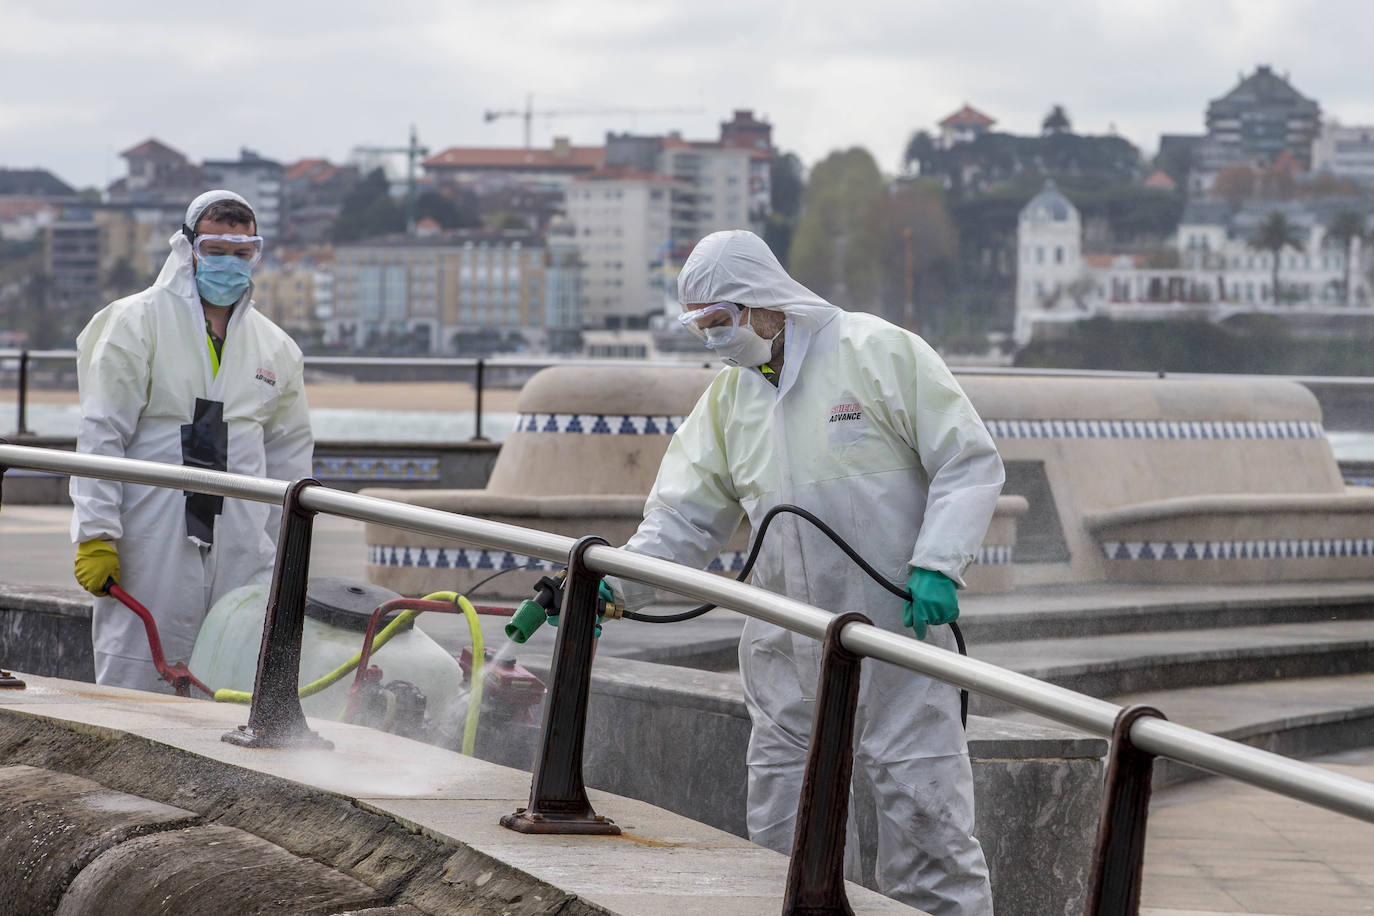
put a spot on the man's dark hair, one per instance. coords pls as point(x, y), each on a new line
point(228, 211)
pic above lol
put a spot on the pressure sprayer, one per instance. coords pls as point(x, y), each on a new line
point(548, 593)
point(398, 706)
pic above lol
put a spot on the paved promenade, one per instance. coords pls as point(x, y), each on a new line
point(1218, 846)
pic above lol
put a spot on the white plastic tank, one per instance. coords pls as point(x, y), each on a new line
point(336, 616)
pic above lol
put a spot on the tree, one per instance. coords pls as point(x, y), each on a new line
point(787, 184)
point(369, 210)
point(1345, 228)
point(1273, 236)
point(920, 249)
point(1056, 122)
point(835, 250)
point(919, 156)
point(1176, 161)
point(1234, 184)
point(447, 212)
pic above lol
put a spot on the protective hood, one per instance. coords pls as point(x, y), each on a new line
point(176, 274)
point(737, 266)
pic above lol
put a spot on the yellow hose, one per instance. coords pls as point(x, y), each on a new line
point(225, 695)
point(479, 659)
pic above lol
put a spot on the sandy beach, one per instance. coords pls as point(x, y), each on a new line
point(442, 396)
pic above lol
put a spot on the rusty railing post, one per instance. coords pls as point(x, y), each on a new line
point(477, 413)
point(7, 681)
point(1119, 853)
point(815, 878)
point(21, 422)
point(558, 796)
point(276, 719)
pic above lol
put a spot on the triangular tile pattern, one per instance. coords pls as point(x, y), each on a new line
point(494, 560)
point(599, 424)
point(371, 468)
point(1287, 549)
point(1155, 429)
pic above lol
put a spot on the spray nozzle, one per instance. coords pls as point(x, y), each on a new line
point(545, 605)
point(532, 612)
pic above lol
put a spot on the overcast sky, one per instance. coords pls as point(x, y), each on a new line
point(82, 81)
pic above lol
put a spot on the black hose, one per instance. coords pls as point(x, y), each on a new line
point(839, 542)
point(468, 593)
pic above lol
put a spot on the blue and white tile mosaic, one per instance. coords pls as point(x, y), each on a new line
point(1155, 429)
point(477, 558)
point(376, 468)
point(1302, 548)
point(604, 424)
point(993, 554)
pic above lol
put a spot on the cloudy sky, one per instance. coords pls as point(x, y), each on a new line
point(82, 81)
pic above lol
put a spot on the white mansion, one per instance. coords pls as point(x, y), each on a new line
point(1218, 273)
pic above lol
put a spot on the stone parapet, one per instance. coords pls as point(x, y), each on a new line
point(582, 460)
point(120, 802)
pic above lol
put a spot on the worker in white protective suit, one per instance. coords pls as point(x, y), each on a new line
point(861, 423)
point(185, 372)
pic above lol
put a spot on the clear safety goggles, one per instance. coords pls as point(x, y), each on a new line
point(244, 247)
point(713, 324)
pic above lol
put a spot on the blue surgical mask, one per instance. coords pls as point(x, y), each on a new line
point(222, 279)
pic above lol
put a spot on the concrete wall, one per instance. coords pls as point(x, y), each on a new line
point(46, 631)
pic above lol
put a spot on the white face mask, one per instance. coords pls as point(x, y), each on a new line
point(746, 348)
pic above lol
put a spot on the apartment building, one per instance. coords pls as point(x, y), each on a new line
point(430, 292)
point(258, 180)
point(632, 230)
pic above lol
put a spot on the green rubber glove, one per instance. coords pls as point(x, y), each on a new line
point(933, 601)
point(96, 563)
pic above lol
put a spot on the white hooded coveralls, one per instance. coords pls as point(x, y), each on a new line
point(867, 429)
point(142, 363)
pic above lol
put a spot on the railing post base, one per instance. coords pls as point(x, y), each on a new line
point(1119, 853)
point(815, 878)
point(276, 719)
point(524, 821)
point(558, 796)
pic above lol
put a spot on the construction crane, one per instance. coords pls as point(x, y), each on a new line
point(528, 114)
point(413, 152)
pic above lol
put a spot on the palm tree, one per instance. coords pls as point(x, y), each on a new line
point(1275, 234)
point(1345, 227)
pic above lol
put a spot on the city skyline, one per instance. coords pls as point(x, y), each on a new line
point(287, 82)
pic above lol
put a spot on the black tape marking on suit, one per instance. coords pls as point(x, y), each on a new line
point(205, 444)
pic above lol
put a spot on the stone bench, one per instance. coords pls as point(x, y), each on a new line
point(582, 460)
point(1174, 480)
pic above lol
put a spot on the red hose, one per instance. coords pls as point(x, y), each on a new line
point(178, 675)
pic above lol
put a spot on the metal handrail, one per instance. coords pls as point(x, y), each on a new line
point(1273, 772)
point(478, 364)
point(531, 362)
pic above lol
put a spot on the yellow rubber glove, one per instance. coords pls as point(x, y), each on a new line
point(96, 563)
